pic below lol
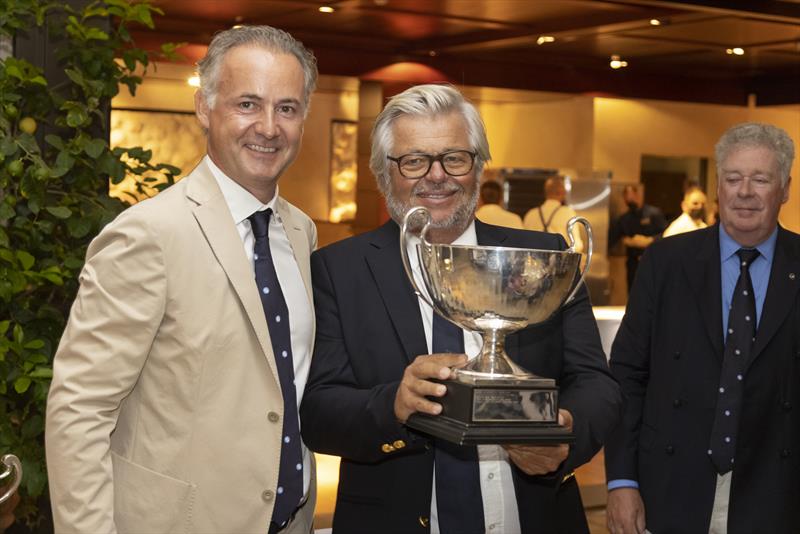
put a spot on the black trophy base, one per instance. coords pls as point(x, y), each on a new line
point(523, 411)
point(462, 433)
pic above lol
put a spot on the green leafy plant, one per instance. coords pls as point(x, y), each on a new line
point(53, 199)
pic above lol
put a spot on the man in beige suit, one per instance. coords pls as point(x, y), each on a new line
point(166, 412)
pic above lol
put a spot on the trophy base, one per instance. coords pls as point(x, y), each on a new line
point(490, 411)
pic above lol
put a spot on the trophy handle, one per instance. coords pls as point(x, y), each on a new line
point(11, 464)
point(570, 229)
point(410, 214)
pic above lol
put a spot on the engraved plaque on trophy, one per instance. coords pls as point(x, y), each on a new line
point(494, 291)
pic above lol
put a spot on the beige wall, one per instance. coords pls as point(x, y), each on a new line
point(626, 129)
point(525, 129)
point(535, 129)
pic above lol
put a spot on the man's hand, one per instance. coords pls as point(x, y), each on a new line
point(415, 385)
point(541, 459)
point(625, 511)
point(7, 510)
point(637, 241)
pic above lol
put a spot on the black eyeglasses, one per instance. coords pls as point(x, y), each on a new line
point(454, 163)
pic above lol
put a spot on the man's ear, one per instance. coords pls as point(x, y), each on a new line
point(786, 190)
point(201, 109)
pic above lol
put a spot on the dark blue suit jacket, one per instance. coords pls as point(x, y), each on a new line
point(667, 357)
point(369, 330)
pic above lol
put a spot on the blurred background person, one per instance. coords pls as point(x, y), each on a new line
point(638, 228)
point(492, 212)
point(694, 213)
point(554, 213)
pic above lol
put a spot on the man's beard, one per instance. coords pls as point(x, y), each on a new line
point(459, 218)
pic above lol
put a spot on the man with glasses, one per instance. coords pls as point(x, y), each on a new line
point(378, 347)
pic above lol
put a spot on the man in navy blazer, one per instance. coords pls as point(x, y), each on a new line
point(372, 363)
point(669, 470)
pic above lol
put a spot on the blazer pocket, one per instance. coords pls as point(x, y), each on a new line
point(148, 501)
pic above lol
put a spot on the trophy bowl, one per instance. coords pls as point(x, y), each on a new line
point(494, 291)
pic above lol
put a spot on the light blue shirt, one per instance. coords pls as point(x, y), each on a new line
point(730, 269)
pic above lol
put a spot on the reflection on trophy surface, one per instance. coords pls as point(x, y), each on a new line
point(494, 291)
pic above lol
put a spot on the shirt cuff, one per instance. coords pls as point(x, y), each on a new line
point(622, 483)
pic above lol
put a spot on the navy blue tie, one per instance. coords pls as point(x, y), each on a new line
point(738, 344)
point(290, 475)
point(459, 504)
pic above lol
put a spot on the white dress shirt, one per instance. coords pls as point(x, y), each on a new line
point(500, 511)
point(684, 223)
point(242, 204)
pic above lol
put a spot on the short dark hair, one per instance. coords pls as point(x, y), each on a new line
point(491, 192)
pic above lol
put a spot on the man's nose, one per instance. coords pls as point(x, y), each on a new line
point(266, 124)
point(436, 173)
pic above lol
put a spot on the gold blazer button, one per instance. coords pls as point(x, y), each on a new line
point(387, 448)
point(399, 444)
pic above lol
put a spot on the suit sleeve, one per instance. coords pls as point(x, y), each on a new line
point(338, 415)
point(630, 363)
point(111, 327)
point(586, 386)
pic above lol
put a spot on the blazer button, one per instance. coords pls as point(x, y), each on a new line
point(387, 448)
point(424, 521)
point(267, 495)
point(677, 403)
point(669, 449)
point(785, 453)
point(787, 406)
point(273, 417)
point(399, 444)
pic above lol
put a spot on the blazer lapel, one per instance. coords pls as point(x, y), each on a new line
point(214, 218)
point(784, 283)
point(386, 265)
point(704, 274)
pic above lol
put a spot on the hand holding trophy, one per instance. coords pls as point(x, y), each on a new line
point(494, 291)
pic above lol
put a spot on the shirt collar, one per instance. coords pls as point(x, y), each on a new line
point(728, 246)
point(469, 237)
point(240, 201)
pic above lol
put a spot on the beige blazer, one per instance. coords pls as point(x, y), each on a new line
point(165, 411)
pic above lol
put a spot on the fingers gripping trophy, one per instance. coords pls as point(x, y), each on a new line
point(494, 291)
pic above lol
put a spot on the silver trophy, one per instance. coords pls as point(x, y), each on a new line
point(494, 291)
point(11, 466)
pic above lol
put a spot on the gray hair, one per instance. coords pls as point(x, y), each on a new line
point(426, 100)
point(756, 134)
point(267, 37)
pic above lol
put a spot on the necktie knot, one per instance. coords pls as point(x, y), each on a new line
point(259, 222)
point(747, 256)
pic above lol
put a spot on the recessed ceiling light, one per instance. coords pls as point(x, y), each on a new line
point(735, 51)
point(545, 39)
point(655, 22)
point(326, 9)
point(236, 26)
point(194, 81)
point(617, 63)
point(432, 53)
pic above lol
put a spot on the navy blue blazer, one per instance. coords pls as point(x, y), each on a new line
point(667, 357)
point(369, 329)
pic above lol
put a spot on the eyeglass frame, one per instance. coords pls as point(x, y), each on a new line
point(433, 159)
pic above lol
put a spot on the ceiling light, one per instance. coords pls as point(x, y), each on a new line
point(655, 22)
point(326, 9)
point(236, 26)
point(545, 39)
point(617, 63)
point(432, 53)
point(735, 51)
point(194, 81)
